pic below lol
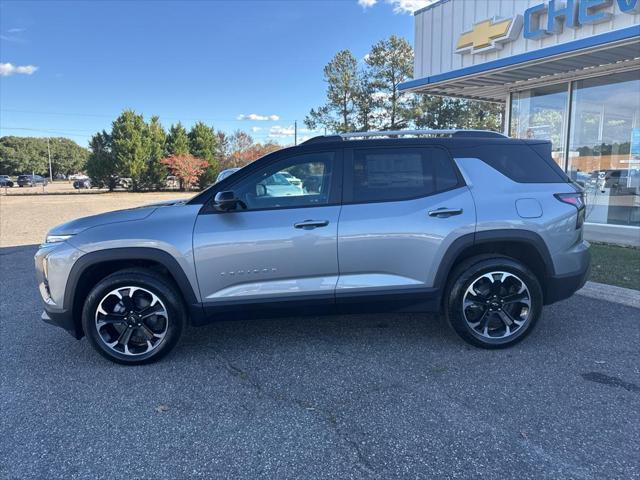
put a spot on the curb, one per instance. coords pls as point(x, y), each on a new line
point(610, 293)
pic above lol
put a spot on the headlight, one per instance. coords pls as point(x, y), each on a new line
point(57, 238)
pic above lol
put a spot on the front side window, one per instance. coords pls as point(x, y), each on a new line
point(300, 181)
point(391, 174)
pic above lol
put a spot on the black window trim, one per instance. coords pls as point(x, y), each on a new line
point(335, 197)
point(347, 183)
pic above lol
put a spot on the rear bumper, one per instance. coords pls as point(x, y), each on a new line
point(559, 287)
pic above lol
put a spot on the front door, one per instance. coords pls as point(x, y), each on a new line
point(280, 243)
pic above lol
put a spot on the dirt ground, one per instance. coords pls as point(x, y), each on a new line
point(26, 214)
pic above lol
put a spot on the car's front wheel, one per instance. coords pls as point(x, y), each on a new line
point(133, 316)
point(493, 302)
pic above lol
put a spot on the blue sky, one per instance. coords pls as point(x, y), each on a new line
point(75, 65)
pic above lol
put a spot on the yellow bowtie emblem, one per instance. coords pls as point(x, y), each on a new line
point(487, 34)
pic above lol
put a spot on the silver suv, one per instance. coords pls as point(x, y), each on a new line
point(484, 228)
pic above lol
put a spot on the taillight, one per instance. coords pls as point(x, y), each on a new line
point(577, 200)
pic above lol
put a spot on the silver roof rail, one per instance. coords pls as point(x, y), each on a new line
point(417, 133)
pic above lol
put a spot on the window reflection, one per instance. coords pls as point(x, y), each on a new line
point(539, 113)
point(604, 148)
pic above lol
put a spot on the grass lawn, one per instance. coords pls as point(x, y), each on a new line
point(615, 265)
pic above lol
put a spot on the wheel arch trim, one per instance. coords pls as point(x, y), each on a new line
point(470, 240)
point(128, 253)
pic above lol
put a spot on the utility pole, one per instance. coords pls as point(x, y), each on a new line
point(295, 132)
point(50, 169)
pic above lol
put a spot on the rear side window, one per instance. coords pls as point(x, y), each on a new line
point(391, 174)
point(520, 162)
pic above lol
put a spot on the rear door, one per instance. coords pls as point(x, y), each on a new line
point(282, 245)
point(403, 207)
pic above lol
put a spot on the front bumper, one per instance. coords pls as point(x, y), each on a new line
point(63, 319)
point(52, 264)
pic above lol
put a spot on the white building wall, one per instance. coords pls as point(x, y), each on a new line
point(438, 27)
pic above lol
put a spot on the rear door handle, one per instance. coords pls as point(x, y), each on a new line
point(311, 224)
point(445, 212)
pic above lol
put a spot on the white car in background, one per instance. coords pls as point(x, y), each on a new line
point(291, 179)
point(278, 185)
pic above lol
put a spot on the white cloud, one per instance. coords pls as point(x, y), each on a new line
point(7, 69)
point(256, 129)
point(15, 30)
point(258, 118)
point(399, 6)
point(278, 131)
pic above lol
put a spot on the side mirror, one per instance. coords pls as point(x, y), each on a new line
point(225, 201)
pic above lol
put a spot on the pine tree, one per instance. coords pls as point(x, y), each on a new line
point(203, 144)
point(341, 75)
point(102, 167)
point(391, 63)
point(177, 140)
point(156, 172)
point(130, 144)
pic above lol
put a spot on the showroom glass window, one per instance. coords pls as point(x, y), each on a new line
point(604, 146)
point(539, 113)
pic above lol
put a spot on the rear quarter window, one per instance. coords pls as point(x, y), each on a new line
point(522, 163)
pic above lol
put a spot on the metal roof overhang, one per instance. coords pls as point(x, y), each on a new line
point(618, 50)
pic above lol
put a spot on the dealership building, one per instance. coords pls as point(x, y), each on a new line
point(567, 71)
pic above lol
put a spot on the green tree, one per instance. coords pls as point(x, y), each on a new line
point(447, 112)
point(102, 166)
point(177, 140)
point(130, 145)
point(156, 172)
point(338, 113)
point(365, 104)
point(30, 154)
point(203, 144)
point(391, 63)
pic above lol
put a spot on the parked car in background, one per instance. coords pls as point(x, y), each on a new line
point(77, 176)
point(172, 182)
point(125, 183)
point(82, 183)
point(31, 180)
point(5, 181)
point(277, 185)
point(225, 173)
point(291, 179)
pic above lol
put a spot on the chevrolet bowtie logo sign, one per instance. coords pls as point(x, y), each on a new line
point(489, 35)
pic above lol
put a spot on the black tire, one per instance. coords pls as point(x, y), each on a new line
point(147, 281)
point(471, 271)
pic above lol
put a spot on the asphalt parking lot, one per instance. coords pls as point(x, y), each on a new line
point(373, 396)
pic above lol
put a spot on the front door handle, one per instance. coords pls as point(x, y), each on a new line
point(311, 224)
point(445, 212)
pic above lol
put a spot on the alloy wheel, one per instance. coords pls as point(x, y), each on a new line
point(131, 320)
point(496, 305)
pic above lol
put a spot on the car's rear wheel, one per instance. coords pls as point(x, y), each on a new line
point(133, 316)
point(493, 302)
